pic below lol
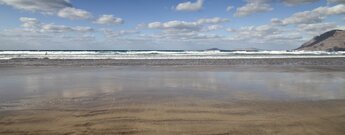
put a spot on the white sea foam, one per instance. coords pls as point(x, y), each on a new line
point(167, 54)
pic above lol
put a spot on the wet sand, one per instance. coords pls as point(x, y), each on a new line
point(158, 62)
point(183, 117)
point(207, 100)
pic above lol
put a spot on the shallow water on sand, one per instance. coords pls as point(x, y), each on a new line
point(170, 100)
point(159, 82)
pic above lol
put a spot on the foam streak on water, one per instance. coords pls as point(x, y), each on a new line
point(168, 54)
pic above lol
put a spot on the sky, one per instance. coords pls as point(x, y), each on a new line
point(165, 24)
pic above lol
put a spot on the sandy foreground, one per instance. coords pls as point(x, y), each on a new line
point(142, 108)
point(99, 115)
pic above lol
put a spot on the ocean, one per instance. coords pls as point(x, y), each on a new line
point(163, 54)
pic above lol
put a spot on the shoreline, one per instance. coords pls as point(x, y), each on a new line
point(172, 62)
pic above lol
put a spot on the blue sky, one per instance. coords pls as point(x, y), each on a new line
point(165, 24)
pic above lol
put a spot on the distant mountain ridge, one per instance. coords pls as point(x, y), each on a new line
point(333, 40)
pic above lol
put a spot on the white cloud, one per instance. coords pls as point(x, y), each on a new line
point(109, 19)
point(183, 25)
point(35, 34)
point(52, 28)
point(78, 38)
point(214, 27)
point(182, 36)
point(29, 22)
point(264, 34)
point(189, 6)
point(257, 6)
point(317, 28)
point(229, 8)
point(309, 17)
point(55, 28)
point(308, 24)
point(306, 17)
point(73, 13)
point(39, 40)
point(297, 2)
point(253, 6)
point(305, 24)
point(34, 25)
point(335, 10)
point(182, 30)
point(214, 20)
point(255, 31)
point(178, 25)
point(290, 37)
point(61, 8)
point(43, 6)
point(111, 34)
point(337, 1)
point(82, 29)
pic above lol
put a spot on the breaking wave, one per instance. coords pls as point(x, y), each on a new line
point(166, 54)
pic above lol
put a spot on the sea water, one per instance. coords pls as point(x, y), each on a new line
point(163, 54)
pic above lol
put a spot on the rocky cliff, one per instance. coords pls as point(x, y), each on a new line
point(330, 41)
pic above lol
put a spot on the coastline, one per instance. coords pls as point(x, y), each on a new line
point(126, 62)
